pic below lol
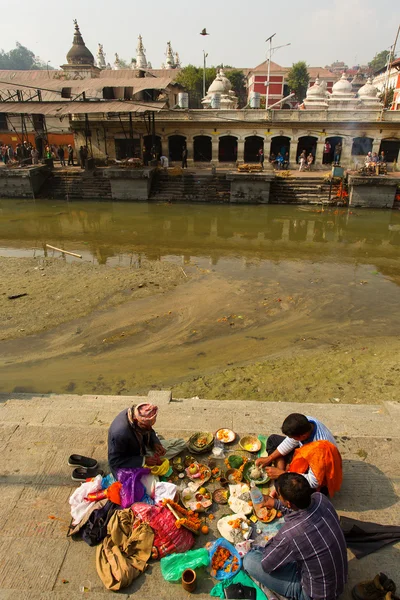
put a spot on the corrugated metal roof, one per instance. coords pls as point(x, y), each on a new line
point(60, 109)
point(58, 81)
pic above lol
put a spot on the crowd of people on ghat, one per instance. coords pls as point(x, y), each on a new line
point(25, 153)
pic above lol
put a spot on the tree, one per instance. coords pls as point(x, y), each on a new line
point(21, 58)
point(389, 98)
point(379, 60)
point(191, 78)
point(238, 81)
point(298, 79)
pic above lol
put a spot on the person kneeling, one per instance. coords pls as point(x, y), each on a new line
point(307, 559)
point(131, 438)
point(300, 431)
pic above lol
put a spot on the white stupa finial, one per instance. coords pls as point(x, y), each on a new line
point(170, 61)
point(141, 61)
point(117, 64)
point(101, 57)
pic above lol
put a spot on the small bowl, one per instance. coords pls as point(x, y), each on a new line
point(206, 436)
point(234, 476)
point(250, 443)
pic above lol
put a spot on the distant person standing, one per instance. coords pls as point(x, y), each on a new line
point(82, 157)
point(20, 153)
point(302, 161)
point(70, 155)
point(10, 152)
point(261, 157)
point(326, 159)
point(61, 155)
point(310, 160)
point(338, 153)
point(184, 157)
point(35, 156)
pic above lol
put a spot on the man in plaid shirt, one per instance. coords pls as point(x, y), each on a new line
point(307, 559)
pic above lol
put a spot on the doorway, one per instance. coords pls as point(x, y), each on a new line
point(280, 144)
point(176, 143)
point(202, 148)
point(391, 148)
point(307, 143)
point(227, 149)
point(126, 148)
point(148, 150)
point(252, 145)
point(327, 159)
point(361, 146)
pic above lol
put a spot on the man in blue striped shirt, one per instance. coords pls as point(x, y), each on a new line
point(307, 559)
point(299, 430)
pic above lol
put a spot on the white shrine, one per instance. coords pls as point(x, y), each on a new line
point(220, 93)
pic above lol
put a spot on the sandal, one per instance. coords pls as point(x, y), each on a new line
point(81, 474)
point(76, 460)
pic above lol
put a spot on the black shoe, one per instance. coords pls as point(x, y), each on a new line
point(76, 460)
point(375, 589)
point(81, 474)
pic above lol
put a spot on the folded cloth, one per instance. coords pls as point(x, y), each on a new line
point(164, 490)
point(92, 507)
point(79, 505)
point(324, 459)
point(364, 537)
point(173, 446)
point(125, 551)
point(241, 577)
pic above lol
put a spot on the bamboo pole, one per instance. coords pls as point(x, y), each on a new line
point(63, 251)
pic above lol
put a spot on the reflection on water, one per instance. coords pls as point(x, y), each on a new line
point(120, 233)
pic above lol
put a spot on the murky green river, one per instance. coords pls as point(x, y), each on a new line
point(289, 273)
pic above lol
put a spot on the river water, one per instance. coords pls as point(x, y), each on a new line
point(260, 278)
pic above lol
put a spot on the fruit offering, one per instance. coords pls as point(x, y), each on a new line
point(198, 473)
point(199, 501)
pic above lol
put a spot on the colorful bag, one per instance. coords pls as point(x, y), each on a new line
point(168, 539)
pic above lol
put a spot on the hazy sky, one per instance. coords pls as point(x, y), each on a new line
point(319, 32)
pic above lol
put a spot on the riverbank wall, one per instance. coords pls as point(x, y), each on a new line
point(175, 185)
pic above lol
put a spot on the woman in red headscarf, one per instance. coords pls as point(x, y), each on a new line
point(131, 437)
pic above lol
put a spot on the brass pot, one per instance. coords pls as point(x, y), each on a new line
point(189, 580)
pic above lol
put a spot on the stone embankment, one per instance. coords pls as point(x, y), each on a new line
point(38, 433)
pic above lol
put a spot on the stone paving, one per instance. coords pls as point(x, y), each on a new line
point(38, 433)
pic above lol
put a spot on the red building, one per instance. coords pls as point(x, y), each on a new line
point(278, 88)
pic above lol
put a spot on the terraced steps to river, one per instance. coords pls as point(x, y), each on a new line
point(304, 190)
point(77, 185)
point(190, 187)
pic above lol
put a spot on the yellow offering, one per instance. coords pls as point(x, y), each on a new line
point(160, 470)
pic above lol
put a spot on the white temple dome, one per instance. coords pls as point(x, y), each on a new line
point(368, 90)
point(225, 80)
point(343, 86)
point(220, 92)
point(316, 90)
point(217, 86)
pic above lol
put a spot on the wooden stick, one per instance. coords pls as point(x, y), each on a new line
point(183, 272)
point(63, 251)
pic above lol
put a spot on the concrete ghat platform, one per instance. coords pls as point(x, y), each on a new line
point(38, 433)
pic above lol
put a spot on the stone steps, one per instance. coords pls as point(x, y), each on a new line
point(76, 186)
point(190, 187)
